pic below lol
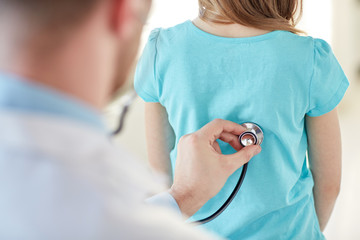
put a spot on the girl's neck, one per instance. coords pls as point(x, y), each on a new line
point(228, 30)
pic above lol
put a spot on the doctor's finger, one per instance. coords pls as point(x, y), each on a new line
point(216, 146)
point(231, 139)
point(214, 129)
point(237, 160)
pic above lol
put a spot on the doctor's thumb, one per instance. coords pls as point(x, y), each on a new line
point(238, 159)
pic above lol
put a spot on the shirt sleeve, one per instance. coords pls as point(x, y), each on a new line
point(166, 200)
point(329, 82)
point(145, 81)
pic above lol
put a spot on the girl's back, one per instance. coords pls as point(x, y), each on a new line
point(274, 80)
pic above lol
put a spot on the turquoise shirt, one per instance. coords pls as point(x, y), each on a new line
point(21, 95)
point(274, 80)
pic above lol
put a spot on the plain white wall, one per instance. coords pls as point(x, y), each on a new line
point(344, 223)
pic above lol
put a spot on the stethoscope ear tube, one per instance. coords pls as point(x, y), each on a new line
point(253, 135)
point(128, 100)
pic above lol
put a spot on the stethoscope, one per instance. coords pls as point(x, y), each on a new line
point(253, 135)
point(127, 100)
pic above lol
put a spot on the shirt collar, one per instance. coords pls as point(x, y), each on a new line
point(19, 94)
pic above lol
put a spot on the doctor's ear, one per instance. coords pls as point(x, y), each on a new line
point(128, 16)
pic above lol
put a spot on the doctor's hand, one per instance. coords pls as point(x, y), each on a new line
point(201, 169)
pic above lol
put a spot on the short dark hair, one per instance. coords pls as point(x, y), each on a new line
point(50, 13)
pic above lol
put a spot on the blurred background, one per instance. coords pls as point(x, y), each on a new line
point(337, 22)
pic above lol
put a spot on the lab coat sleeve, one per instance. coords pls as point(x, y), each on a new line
point(164, 199)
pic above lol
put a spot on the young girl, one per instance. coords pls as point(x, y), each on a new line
point(244, 61)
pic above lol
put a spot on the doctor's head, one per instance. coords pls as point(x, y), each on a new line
point(96, 40)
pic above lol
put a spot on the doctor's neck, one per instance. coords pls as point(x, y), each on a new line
point(70, 58)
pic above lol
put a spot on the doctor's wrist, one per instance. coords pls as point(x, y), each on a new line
point(187, 202)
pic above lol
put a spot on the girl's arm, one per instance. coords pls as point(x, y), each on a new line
point(160, 138)
point(325, 162)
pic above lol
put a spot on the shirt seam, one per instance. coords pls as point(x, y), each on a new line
point(148, 97)
point(312, 76)
point(155, 65)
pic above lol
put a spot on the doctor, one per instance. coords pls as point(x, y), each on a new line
point(60, 175)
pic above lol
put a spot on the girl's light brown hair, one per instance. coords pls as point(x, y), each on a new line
point(262, 14)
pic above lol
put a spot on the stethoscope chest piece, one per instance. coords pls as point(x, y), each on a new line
point(253, 135)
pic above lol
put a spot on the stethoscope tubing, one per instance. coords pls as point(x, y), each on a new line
point(229, 200)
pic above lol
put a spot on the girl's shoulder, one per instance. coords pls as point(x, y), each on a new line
point(316, 44)
point(318, 49)
point(170, 32)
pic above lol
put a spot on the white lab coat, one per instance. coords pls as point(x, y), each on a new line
point(62, 180)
